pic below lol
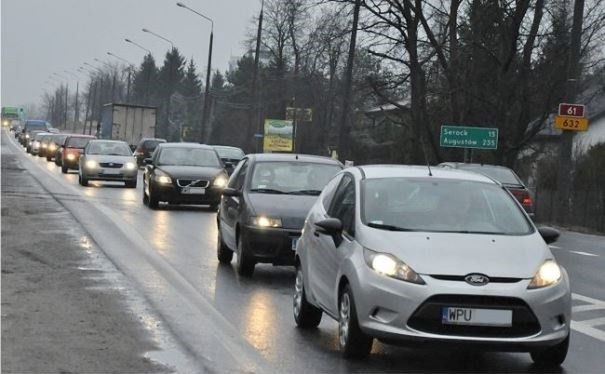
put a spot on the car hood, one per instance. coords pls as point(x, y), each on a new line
point(190, 172)
point(292, 209)
point(462, 254)
point(111, 158)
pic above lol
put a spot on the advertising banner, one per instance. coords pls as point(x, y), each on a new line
point(278, 136)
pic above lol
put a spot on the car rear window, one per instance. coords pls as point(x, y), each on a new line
point(230, 153)
point(77, 142)
point(151, 145)
point(35, 126)
point(502, 175)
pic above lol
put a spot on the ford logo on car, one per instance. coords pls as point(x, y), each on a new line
point(477, 279)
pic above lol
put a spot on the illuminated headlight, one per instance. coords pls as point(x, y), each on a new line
point(70, 157)
point(5, 123)
point(130, 166)
point(220, 181)
point(548, 274)
point(263, 221)
point(391, 266)
point(44, 145)
point(163, 179)
point(26, 136)
point(36, 143)
point(91, 164)
point(52, 147)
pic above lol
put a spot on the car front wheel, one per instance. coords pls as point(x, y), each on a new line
point(551, 356)
point(353, 342)
point(244, 264)
point(224, 254)
point(83, 180)
point(306, 315)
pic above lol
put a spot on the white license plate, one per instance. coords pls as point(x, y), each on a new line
point(294, 243)
point(193, 191)
point(110, 171)
point(476, 317)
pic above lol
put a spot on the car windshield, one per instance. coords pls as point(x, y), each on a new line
point(305, 178)
point(441, 205)
point(189, 157)
point(77, 142)
point(230, 153)
point(502, 175)
point(109, 148)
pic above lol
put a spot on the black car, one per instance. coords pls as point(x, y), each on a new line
point(145, 148)
point(505, 176)
point(184, 173)
point(265, 204)
point(230, 156)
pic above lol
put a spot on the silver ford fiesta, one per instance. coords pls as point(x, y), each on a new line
point(405, 254)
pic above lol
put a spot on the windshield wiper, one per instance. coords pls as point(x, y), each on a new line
point(306, 192)
point(267, 190)
point(388, 227)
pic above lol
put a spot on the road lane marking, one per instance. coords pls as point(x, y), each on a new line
point(588, 326)
point(554, 247)
point(584, 253)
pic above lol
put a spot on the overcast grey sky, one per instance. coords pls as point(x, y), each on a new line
point(40, 37)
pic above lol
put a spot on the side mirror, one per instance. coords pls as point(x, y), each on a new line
point(329, 226)
point(549, 234)
point(228, 191)
point(148, 161)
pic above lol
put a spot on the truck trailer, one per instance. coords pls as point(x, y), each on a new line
point(128, 122)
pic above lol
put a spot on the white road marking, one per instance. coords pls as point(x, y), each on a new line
point(588, 326)
point(584, 253)
point(554, 247)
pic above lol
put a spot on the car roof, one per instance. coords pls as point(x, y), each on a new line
point(185, 145)
point(81, 136)
point(463, 165)
point(153, 139)
point(35, 121)
point(420, 171)
point(107, 141)
point(262, 157)
point(226, 146)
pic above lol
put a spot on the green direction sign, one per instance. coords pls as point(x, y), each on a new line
point(468, 137)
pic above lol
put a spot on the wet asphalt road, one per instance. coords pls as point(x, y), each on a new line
point(260, 311)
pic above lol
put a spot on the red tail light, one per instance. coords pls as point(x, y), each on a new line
point(522, 196)
point(526, 200)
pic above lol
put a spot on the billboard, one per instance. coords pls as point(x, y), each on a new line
point(278, 136)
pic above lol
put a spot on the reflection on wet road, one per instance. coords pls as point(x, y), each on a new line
point(260, 308)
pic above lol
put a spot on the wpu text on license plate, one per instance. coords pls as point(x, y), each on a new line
point(476, 317)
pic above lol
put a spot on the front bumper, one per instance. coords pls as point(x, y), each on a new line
point(395, 311)
point(172, 194)
point(270, 245)
point(121, 174)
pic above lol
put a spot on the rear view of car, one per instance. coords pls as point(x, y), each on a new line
point(145, 148)
point(505, 176)
point(70, 155)
point(230, 156)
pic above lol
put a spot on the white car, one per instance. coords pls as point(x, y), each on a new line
point(108, 160)
point(403, 254)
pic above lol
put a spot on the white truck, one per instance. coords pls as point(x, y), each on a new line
point(128, 122)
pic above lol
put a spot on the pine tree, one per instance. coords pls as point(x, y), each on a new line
point(144, 85)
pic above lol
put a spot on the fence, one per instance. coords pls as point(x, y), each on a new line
point(587, 208)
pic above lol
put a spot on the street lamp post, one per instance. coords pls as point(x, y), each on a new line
point(208, 71)
point(159, 36)
point(130, 68)
point(65, 103)
point(76, 108)
point(148, 74)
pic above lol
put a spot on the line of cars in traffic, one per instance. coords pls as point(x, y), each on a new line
point(403, 254)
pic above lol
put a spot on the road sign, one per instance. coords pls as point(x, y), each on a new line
point(302, 114)
point(571, 123)
point(468, 137)
point(278, 136)
point(572, 110)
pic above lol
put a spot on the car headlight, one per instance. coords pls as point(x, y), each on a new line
point(264, 221)
point(70, 157)
point(26, 136)
point(52, 147)
point(220, 181)
point(5, 123)
point(548, 274)
point(163, 179)
point(130, 166)
point(391, 266)
point(43, 145)
point(91, 164)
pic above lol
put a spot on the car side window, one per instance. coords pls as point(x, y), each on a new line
point(239, 175)
point(328, 191)
point(343, 204)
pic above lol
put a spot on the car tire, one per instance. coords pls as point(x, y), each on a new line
point(306, 315)
point(83, 181)
point(145, 197)
point(353, 342)
point(551, 356)
point(213, 207)
point(244, 265)
point(131, 184)
point(49, 159)
point(152, 200)
point(224, 254)
point(64, 169)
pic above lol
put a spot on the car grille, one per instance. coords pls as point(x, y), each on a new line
point(110, 165)
point(192, 183)
point(427, 317)
point(460, 278)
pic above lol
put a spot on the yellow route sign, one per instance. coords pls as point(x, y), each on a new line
point(571, 123)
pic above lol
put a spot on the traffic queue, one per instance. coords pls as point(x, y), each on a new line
point(444, 255)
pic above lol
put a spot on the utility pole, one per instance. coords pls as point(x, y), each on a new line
point(76, 114)
point(566, 143)
point(91, 88)
point(343, 131)
point(254, 118)
point(65, 115)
